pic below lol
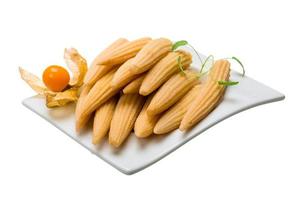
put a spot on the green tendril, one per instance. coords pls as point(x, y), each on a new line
point(228, 83)
point(180, 43)
point(196, 53)
point(201, 73)
point(205, 61)
point(180, 65)
point(239, 62)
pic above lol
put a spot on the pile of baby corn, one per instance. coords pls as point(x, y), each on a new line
point(138, 85)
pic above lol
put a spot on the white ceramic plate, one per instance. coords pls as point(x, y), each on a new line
point(137, 154)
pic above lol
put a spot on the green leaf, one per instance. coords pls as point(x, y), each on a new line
point(179, 44)
point(228, 83)
point(180, 64)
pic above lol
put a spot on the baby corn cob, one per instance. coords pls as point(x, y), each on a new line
point(171, 119)
point(209, 97)
point(111, 48)
point(150, 54)
point(124, 52)
point(97, 70)
point(220, 71)
point(134, 86)
point(99, 93)
point(102, 120)
point(171, 91)
point(144, 124)
point(163, 70)
point(79, 105)
point(123, 75)
point(126, 112)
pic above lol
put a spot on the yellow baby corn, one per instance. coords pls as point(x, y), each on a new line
point(144, 124)
point(123, 75)
point(97, 70)
point(209, 97)
point(124, 52)
point(108, 50)
point(150, 54)
point(126, 112)
point(171, 119)
point(102, 120)
point(134, 86)
point(85, 90)
point(163, 70)
point(171, 91)
point(99, 93)
point(220, 69)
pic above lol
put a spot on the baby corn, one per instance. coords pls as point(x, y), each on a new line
point(170, 92)
point(99, 93)
point(144, 124)
point(134, 86)
point(124, 52)
point(209, 97)
point(97, 70)
point(219, 71)
point(79, 105)
point(102, 120)
point(163, 70)
point(150, 54)
point(171, 119)
point(126, 112)
point(123, 75)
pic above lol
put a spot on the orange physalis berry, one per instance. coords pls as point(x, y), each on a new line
point(56, 78)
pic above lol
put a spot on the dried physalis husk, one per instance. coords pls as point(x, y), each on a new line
point(33, 81)
point(61, 98)
point(78, 66)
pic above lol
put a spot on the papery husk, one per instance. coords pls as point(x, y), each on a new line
point(77, 65)
point(61, 98)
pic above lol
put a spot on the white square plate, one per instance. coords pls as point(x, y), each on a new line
point(137, 154)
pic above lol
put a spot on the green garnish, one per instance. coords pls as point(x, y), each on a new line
point(180, 65)
point(201, 73)
point(228, 83)
point(183, 43)
point(238, 61)
point(196, 53)
point(179, 44)
point(203, 64)
point(205, 61)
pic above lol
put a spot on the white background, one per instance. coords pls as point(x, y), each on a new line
point(252, 155)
